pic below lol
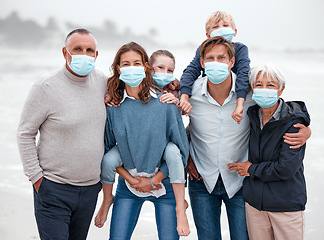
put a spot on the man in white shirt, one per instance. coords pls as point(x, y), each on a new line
point(217, 140)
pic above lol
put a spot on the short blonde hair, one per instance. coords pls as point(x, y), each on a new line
point(271, 71)
point(216, 17)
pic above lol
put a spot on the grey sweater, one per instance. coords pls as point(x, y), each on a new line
point(69, 113)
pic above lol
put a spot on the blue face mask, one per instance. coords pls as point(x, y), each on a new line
point(132, 76)
point(216, 72)
point(227, 33)
point(265, 97)
point(163, 79)
point(82, 64)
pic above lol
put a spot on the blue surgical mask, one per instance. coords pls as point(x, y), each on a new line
point(265, 97)
point(132, 76)
point(216, 72)
point(227, 33)
point(163, 79)
point(82, 64)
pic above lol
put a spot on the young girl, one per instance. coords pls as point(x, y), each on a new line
point(163, 63)
point(163, 139)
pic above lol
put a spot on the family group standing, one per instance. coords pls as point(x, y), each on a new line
point(245, 147)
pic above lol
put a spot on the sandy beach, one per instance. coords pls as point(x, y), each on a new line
point(16, 221)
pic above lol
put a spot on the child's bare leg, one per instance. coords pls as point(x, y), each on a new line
point(181, 206)
point(108, 199)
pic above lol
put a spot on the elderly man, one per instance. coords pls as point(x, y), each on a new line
point(216, 141)
point(68, 110)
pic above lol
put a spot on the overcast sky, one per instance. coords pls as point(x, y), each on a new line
point(263, 24)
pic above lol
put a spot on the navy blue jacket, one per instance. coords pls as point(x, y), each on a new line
point(276, 182)
point(241, 68)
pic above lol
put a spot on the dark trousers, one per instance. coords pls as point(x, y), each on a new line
point(64, 211)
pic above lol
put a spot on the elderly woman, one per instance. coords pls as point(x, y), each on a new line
point(274, 189)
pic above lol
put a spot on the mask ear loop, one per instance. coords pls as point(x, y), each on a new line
point(68, 51)
point(70, 55)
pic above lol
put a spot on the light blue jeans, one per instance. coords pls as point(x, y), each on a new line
point(171, 155)
point(127, 208)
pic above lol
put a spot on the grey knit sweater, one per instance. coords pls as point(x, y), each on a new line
point(69, 114)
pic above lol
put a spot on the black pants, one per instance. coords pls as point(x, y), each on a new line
point(64, 211)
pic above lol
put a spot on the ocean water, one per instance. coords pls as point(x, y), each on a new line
point(305, 81)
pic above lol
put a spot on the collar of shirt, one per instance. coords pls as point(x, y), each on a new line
point(204, 91)
point(152, 92)
point(275, 116)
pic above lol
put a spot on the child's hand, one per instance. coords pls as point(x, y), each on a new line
point(108, 101)
point(174, 85)
point(237, 114)
point(184, 104)
point(169, 98)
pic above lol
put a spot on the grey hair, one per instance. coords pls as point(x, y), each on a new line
point(271, 71)
point(80, 31)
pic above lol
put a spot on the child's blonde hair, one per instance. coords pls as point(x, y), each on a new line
point(216, 17)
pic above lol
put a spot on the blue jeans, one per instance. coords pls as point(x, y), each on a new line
point(172, 157)
point(110, 162)
point(127, 208)
point(64, 211)
point(206, 209)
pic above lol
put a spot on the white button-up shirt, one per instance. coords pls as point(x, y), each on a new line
point(216, 138)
